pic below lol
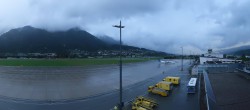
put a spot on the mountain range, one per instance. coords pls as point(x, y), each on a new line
point(238, 50)
point(28, 39)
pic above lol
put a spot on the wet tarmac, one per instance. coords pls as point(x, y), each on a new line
point(86, 88)
point(67, 83)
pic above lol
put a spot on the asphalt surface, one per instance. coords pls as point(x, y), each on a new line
point(103, 94)
point(231, 90)
point(70, 83)
point(178, 98)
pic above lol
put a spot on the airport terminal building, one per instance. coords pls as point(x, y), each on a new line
point(215, 58)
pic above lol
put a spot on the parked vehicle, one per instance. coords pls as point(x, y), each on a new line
point(142, 103)
point(165, 85)
point(156, 90)
point(174, 80)
point(191, 87)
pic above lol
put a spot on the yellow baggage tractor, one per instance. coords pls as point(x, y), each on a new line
point(142, 103)
point(174, 80)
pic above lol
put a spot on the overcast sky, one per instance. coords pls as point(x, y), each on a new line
point(163, 25)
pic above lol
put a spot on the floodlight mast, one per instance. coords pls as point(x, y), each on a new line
point(121, 104)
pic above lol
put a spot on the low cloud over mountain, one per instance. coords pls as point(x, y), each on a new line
point(164, 25)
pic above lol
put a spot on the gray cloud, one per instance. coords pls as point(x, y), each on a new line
point(155, 24)
point(235, 26)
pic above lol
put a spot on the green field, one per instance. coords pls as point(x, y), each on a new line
point(67, 62)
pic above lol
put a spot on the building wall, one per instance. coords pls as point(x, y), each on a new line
point(213, 55)
point(203, 60)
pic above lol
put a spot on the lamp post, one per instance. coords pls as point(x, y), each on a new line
point(190, 58)
point(120, 27)
point(182, 59)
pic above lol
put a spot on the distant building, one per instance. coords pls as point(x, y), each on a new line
point(216, 58)
point(42, 55)
point(21, 55)
point(247, 56)
point(35, 54)
point(212, 54)
point(51, 55)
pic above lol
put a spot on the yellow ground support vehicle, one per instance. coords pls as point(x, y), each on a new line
point(165, 85)
point(157, 90)
point(174, 80)
point(138, 106)
point(142, 103)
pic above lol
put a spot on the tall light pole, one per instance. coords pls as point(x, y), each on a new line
point(190, 58)
point(120, 27)
point(182, 59)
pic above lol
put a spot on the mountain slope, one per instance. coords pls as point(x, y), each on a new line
point(33, 40)
point(108, 40)
point(235, 50)
point(29, 39)
point(242, 52)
